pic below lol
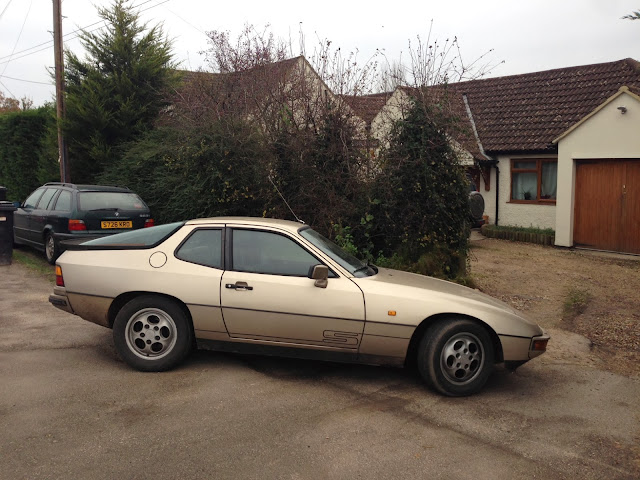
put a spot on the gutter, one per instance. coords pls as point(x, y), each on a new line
point(493, 161)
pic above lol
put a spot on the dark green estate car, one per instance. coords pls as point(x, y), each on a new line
point(64, 211)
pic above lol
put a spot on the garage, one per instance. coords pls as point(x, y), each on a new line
point(607, 205)
point(598, 200)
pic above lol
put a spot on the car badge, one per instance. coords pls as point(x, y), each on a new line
point(117, 214)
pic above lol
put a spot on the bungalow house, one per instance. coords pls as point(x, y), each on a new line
point(555, 149)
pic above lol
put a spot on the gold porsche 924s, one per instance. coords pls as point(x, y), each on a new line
point(278, 287)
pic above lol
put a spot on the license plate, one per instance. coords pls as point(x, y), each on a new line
point(117, 224)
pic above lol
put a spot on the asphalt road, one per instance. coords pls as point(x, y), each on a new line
point(70, 409)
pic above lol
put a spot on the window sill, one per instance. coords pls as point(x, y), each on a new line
point(533, 202)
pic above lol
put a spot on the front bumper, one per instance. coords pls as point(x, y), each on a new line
point(538, 345)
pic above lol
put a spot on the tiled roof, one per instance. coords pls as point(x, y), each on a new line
point(240, 90)
point(524, 113)
point(366, 106)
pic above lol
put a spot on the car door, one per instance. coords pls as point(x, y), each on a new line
point(39, 216)
point(22, 217)
point(267, 296)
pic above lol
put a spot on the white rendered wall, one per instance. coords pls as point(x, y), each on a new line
point(605, 135)
point(516, 214)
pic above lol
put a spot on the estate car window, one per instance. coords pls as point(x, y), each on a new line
point(204, 247)
point(88, 201)
point(64, 201)
point(271, 253)
point(32, 200)
point(46, 198)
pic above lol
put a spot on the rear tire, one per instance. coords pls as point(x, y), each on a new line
point(152, 333)
point(51, 248)
point(456, 357)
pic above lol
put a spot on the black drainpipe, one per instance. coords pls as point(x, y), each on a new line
point(497, 190)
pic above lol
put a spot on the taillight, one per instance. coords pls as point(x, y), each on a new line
point(77, 226)
point(59, 279)
point(149, 222)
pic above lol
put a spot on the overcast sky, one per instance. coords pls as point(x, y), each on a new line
point(526, 35)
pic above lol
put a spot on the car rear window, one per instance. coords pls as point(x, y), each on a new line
point(88, 201)
point(142, 238)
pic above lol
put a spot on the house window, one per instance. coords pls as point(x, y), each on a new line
point(534, 180)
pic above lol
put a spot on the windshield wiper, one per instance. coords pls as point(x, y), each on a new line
point(105, 209)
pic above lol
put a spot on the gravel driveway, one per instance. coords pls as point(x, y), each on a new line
point(596, 295)
point(69, 408)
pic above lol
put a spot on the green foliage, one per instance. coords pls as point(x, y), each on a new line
point(422, 207)
point(542, 236)
point(318, 171)
point(502, 228)
point(575, 303)
point(115, 94)
point(212, 171)
point(28, 151)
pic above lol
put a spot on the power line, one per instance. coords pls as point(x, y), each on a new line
point(73, 35)
point(7, 89)
point(19, 35)
point(28, 81)
point(5, 8)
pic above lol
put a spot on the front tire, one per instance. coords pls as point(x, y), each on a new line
point(152, 333)
point(456, 357)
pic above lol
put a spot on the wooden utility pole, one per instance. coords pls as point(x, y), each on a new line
point(65, 173)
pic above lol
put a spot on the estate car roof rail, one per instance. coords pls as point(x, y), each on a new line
point(73, 185)
point(61, 184)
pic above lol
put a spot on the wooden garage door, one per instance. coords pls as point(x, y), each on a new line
point(607, 205)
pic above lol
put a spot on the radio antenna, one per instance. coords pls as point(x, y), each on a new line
point(285, 202)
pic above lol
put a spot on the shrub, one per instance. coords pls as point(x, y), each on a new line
point(28, 151)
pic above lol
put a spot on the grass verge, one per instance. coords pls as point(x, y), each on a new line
point(35, 263)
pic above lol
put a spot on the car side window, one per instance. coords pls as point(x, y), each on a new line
point(266, 252)
point(204, 247)
point(64, 201)
point(32, 200)
point(46, 197)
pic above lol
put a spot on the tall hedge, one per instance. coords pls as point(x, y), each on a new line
point(28, 151)
point(420, 208)
point(214, 170)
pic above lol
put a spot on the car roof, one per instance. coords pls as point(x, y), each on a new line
point(249, 221)
point(89, 188)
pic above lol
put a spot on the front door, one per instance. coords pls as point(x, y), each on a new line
point(267, 296)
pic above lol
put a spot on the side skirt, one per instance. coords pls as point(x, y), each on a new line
point(293, 352)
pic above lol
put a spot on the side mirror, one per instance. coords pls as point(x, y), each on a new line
point(319, 273)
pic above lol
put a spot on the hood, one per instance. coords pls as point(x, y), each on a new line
point(416, 297)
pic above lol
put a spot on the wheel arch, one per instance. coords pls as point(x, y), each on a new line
point(48, 228)
point(124, 298)
point(418, 333)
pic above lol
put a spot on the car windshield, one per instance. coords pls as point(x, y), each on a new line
point(347, 261)
point(144, 237)
point(88, 201)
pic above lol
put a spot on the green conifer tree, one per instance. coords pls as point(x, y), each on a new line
point(115, 93)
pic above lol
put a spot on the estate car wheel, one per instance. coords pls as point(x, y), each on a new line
point(456, 357)
point(51, 250)
point(152, 333)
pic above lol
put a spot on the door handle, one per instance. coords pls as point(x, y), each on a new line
point(238, 286)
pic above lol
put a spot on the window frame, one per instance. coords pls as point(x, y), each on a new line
point(223, 236)
point(55, 205)
point(229, 252)
point(538, 171)
point(51, 200)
